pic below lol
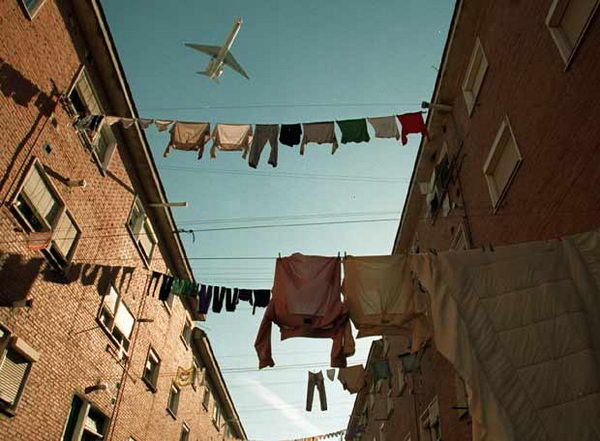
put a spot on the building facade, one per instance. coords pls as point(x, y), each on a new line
point(86, 352)
point(513, 156)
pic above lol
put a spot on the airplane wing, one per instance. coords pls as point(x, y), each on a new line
point(209, 50)
point(231, 62)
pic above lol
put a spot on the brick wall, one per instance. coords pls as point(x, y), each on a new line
point(39, 59)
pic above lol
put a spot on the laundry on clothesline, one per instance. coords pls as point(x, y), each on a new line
point(352, 378)
point(315, 380)
point(193, 136)
point(185, 377)
point(307, 303)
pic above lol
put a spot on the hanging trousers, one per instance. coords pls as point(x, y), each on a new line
point(315, 380)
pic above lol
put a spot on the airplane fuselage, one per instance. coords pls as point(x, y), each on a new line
point(215, 65)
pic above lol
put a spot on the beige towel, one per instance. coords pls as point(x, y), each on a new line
point(319, 133)
point(231, 137)
point(385, 127)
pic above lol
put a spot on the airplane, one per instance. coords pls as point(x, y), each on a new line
point(220, 55)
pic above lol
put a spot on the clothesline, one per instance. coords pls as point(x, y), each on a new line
point(259, 106)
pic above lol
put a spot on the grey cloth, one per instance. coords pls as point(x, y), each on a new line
point(331, 374)
point(264, 133)
point(319, 133)
point(315, 380)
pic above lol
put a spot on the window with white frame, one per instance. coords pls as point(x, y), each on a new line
point(567, 21)
point(40, 208)
point(502, 163)
point(206, 395)
point(141, 229)
point(104, 146)
point(151, 369)
point(185, 433)
point(476, 70)
point(83, 98)
point(85, 422)
point(173, 402)
point(186, 332)
point(16, 359)
point(116, 318)
point(32, 6)
point(431, 429)
point(216, 415)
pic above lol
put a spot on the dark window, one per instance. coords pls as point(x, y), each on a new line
point(173, 402)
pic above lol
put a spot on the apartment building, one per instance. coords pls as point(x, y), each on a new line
point(513, 157)
point(85, 352)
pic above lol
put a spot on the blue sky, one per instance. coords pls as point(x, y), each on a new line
point(352, 59)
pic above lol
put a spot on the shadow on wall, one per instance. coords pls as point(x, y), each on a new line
point(17, 276)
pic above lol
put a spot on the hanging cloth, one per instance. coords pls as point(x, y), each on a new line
point(290, 134)
point(145, 123)
point(111, 120)
point(188, 136)
point(315, 380)
point(162, 124)
point(261, 298)
point(204, 298)
point(352, 378)
point(307, 303)
point(354, 130)
point(165, 288)
point(185, 377)
point(319, 133)
point(520, 326)
point(155, 279)
point(331, 374)
point(412, 123)
point(245, 295)
point(231, 299)
point(184, 288)
point(231, 137)
point(383, 298)
point(264, 133)
point(127, 122)
point(218, 298)
point(385, 127)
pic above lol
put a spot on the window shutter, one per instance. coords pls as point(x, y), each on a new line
point(575, 19)
point(88, 96)
point(146, 239)
point(65, 234)
point(40, 196)
point(12, 374)
point(124, 320)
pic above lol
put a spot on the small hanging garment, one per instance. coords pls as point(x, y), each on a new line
point(145, 123)
point(264, 133)
point(412, 123)
point(385, 127)
point(165, 288)
point(319, 133)
point(231, 137)
point(184, 288)
point(315, 379)
point(290, 134)
point(188, 136)
point(520, 327)
point(352, 378)
point(354, 130)
point(381, 295)
point(245, 295)
point(261, 298)
point(307, 303)
point(204, 298)
point(110, 120)
point(162, 124)
point(185, 377)
point(127, 122)
point(331, 374)
point(231, 299)
point(218, 298)
point(154, 280)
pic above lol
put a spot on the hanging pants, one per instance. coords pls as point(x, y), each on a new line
point(315, 380)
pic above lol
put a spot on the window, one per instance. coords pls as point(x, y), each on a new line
point(216, 416)
point(141, 230)
point(206, 397)
point(85, 422)
point(32, 6)
point(502, 163)
point(476, 71)
point(116, 318)
point(196, 367)
point(186, 332)
point(16, 359)
point(83, 98)
point(461, 397)
point(39, 207)
point(104, 146)
point(431, 429)
point(567, 21)
point(460, 242)
point(185, 433)
point(173, 402)
point(151, 369)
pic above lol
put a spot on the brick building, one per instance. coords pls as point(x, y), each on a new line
point(513, 156)
point(85, 353)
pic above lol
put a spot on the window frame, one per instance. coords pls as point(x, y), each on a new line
point(79, 421)
point(216, 415)
point(553, 23)
point(498, 196)
point(110, 329)
point(470, 95)
point(170, 402)
point(152, 383)
point(206, 396)
point(185, 429)
point(460, 237)
point(11, 343)
point(32, 14)
point(60, 261)
point(187, 324)
point(145, 221)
